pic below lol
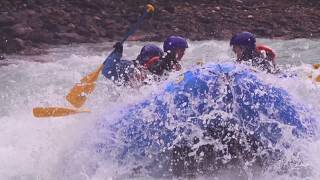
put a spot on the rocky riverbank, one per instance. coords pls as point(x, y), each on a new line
point(29, 26)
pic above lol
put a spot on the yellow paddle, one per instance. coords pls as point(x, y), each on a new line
point(55, 111)
point(312, 76)
point(316, 66)
point(77, 95)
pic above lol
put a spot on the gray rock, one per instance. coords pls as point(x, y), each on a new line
point(21, 30)
point(71, 37)
point(6, 20)
point(41, 37)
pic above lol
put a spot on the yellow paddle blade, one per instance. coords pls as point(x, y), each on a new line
point(77, 95)
point(150, 8)
point(55, 111)
point(317, 79)
point(316, 66)
point(92, 77)
point(200, 62)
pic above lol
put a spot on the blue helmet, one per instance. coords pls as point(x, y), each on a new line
point(147, 52)
point(174, 42)
point(243, 39)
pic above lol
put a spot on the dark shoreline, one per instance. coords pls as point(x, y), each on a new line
point(29, 26)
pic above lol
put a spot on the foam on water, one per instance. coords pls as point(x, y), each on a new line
point(59, 148)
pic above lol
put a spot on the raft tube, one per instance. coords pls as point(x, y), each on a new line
point(217, 104)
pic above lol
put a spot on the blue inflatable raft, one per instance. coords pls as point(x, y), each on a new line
point(210, 117)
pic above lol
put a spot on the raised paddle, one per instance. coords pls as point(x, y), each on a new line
point(77, 95)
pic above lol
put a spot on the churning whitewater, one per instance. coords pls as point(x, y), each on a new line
point(71, 147)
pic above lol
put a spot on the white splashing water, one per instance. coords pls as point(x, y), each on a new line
point(48, 148)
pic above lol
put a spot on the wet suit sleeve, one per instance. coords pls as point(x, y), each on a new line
point(116, 69)
point(112, 60)
point(115, 56)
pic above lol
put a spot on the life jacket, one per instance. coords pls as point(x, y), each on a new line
point(267, 52)
point(151, 62)
point(119, 71)
point(154, 60)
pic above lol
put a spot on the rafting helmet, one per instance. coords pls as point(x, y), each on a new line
point(174, 42)
point(147, 52)
point(246, 39)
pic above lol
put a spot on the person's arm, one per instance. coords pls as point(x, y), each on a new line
point(268, 56)
point(116, 56)
point(109, 68)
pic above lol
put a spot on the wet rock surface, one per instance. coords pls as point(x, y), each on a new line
point(28, 26)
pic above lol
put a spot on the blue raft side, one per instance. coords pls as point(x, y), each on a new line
point(215, 88)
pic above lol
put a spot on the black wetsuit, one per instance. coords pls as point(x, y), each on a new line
point(164, 64)
point(116, 69)
point(257, 60)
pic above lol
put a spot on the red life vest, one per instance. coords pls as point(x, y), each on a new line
point(151, 62)
point(270, 55)
point(155, 59)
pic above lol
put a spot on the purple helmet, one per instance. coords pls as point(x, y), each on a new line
point(174, 42)
point(243, 39)
point(148, 51)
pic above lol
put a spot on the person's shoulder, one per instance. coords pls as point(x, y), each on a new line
point(123, 63)
point(126, 62)
point(266, 52)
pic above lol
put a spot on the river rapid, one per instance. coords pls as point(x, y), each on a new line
point(59, 148)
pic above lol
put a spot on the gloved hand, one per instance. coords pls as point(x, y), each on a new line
point(118, 47)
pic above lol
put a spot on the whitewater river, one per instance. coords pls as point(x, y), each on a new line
point(59, 148)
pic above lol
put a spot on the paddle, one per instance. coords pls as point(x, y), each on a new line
point(316, 66)
point(55, 111)
point(77, 95)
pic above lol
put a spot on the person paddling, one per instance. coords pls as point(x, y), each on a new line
point(174, 48)
point(150, 61)
point(127, 72)
point(262, 57)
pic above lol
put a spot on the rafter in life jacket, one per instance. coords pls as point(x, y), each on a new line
point(155, 59)
point(270, 54)
point(151, 62)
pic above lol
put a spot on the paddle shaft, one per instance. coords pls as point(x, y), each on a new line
point(132, 29)
point(135, 26)
point(87, 85)
point(76, 96)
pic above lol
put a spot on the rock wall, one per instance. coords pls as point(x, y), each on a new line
point(29, 26)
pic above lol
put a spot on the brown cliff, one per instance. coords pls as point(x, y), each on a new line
point(27, 26)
